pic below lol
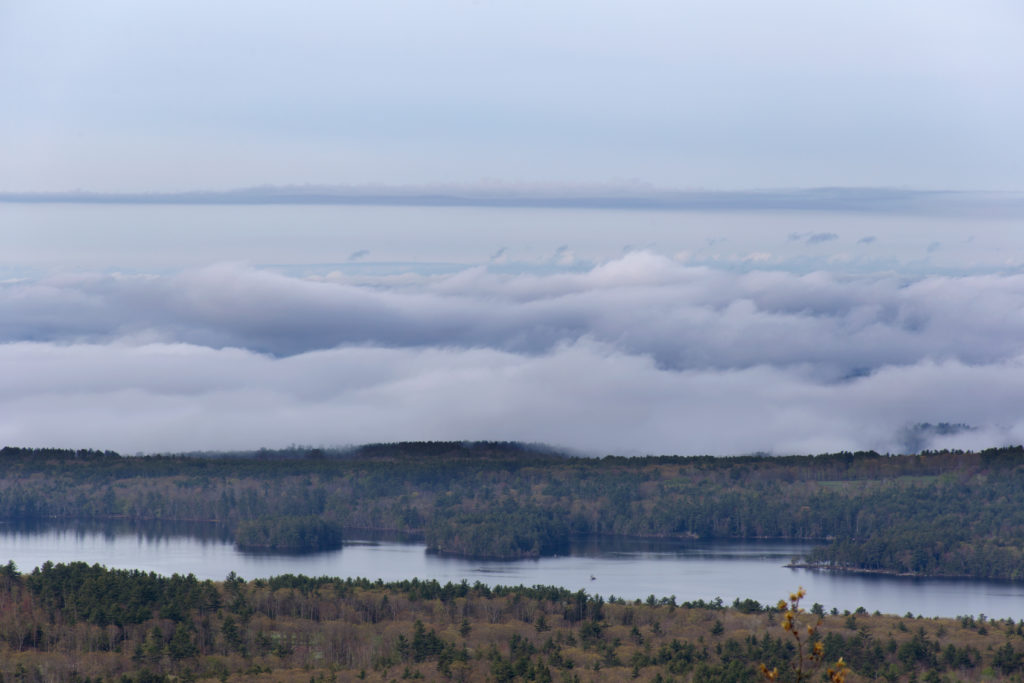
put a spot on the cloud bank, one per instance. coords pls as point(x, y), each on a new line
point(640, 354)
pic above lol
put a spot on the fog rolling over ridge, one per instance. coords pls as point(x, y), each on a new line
point(641, 352)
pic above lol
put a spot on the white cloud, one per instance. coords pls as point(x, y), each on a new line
point(683, 317)
point(639, 354)
point(583, 395)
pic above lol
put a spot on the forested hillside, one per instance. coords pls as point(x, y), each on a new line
point(82, 624)
point(940, 514)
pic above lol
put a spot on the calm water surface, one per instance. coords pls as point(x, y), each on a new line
point(625, 568)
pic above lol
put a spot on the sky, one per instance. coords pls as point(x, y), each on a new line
point(116, 95)
point(892, 325)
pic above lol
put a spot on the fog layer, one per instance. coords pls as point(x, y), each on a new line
point(638, 354)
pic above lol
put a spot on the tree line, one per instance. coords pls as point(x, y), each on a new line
point(947, 513)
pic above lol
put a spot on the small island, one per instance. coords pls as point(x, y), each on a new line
point(288, 534)
point(509, 532)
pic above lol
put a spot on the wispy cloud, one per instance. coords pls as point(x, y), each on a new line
point(813, 237)
point(819, 237)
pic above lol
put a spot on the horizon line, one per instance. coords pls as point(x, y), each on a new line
point(596, 196)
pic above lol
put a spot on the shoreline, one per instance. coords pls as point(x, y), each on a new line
point(840, 569)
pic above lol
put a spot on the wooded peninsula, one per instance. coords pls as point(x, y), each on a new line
point(948, 513)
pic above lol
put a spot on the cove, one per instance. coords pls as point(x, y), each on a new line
point(626, 568)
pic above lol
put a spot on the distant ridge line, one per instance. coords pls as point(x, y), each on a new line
point(870, 200)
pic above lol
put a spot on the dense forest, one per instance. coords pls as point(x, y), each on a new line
point(288, 533)
point(936, 513)
point(77, 623)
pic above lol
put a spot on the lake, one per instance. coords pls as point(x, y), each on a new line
point(621, 567)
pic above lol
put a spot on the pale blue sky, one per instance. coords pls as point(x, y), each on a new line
point(119, 95)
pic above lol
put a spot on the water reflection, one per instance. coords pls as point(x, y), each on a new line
point(148, 531)
point(627, 568)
